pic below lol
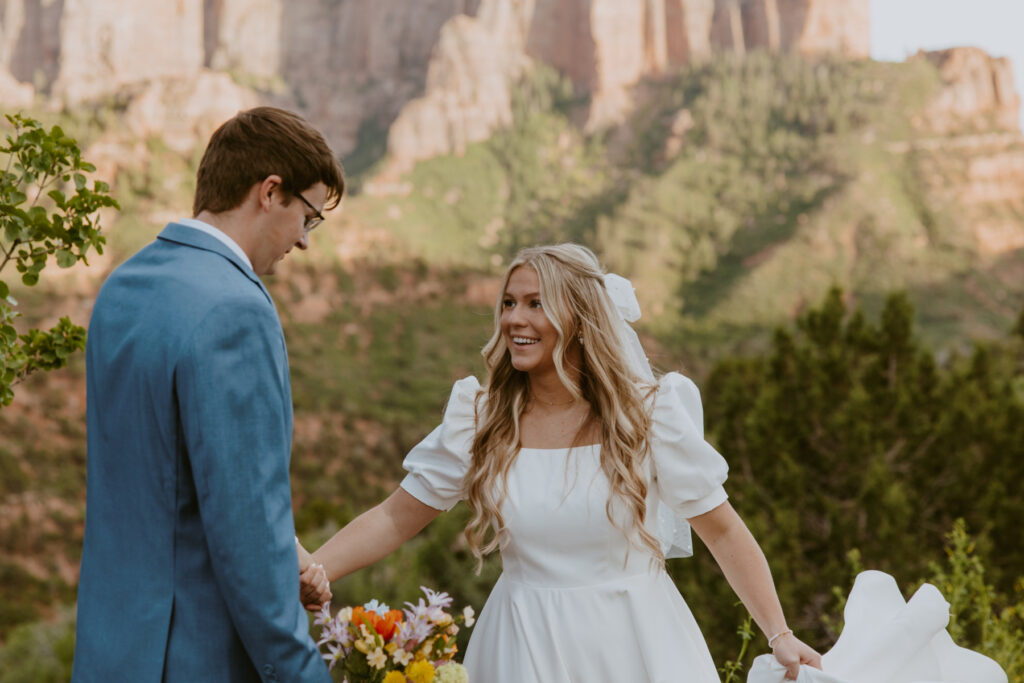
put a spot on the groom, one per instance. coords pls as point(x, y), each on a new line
point(189, 569)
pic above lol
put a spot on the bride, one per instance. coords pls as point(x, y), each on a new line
point(564, 456)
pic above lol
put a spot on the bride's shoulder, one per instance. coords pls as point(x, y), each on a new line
point(677, 395)
point(467, 385)
point(677, 383)
point(465, 390)
point(463, 399)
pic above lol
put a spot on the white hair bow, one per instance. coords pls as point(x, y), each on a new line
point(623, 295)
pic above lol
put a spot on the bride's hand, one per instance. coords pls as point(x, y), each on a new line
point(314, 589)
point(792, 652)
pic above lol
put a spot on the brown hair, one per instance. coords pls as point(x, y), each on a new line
point(260, 142)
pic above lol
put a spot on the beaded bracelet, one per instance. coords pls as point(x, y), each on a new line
point(779, 635)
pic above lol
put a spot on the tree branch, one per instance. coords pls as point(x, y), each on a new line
point(9, 252)
point(42, 186)
point(10, 156)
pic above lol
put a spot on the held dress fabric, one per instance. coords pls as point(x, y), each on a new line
point(887, 639)
point(570, 606)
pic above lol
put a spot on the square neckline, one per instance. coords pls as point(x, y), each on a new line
point(563, 448)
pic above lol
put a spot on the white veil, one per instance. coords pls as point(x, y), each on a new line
point(673, 530)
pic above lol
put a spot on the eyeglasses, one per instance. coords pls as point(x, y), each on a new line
point(311, 221)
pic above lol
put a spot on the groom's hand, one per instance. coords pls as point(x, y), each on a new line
point(314, 589)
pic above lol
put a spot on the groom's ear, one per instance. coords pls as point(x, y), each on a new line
point(270, 186)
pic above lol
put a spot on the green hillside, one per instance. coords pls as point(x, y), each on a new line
point(782, 177)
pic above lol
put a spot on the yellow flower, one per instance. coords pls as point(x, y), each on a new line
point(420, 672)
point(394, 677)
point(362, 645)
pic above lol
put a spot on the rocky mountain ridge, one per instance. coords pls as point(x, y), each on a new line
point(440, 67)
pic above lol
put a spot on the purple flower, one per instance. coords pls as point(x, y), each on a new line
point(333, 654)
point(323, 616)
point(437, 598)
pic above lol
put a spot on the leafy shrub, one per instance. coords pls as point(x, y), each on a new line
point(849, 434)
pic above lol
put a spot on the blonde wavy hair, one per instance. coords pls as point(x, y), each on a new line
point(574, 299)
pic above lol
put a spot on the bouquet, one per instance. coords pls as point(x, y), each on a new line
point(376, 644)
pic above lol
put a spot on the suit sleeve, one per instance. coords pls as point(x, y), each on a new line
point(235, 403)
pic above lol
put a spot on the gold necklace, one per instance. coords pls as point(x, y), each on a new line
point(549, 403)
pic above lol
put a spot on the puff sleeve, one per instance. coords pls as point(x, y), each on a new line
point(689, 471)
point(437, 465)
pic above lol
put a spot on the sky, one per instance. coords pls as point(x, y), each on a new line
point(900, 28)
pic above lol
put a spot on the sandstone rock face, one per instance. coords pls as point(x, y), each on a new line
point(14, 94)
point(244, 36)
point(345, 62)
point(339, 62)
point(972, 122)
point(184, 112)
point(977, 90)
point(606, 46)
point(688, 30)
point(367, 61)
point(30, 44)
point(468, 95)
point(105, 45)
point(824, 26)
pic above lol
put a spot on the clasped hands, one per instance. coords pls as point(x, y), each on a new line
point(314, 588)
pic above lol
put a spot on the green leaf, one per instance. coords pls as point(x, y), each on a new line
point(65, 259)
point(4, 290)
point(58, 197)
point(30, 279)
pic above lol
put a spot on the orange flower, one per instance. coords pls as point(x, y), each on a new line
point(384, 626)
point(389, 624)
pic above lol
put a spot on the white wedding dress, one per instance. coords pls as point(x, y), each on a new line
point(572, 605)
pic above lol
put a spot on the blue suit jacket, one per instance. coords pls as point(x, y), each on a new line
point(189, 570)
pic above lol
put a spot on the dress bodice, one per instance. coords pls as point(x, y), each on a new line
point(557, 528)
point(558, 532)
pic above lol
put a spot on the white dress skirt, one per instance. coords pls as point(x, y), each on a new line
point(576, 602)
